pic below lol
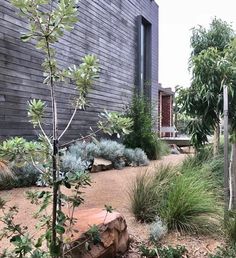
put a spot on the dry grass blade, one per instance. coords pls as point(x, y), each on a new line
point(5, 171)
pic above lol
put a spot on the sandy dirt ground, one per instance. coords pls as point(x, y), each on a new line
point(112, 188)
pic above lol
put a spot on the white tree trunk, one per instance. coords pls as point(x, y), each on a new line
point(232, 178)
point(216, 141)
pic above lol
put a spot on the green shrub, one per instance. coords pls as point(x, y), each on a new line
point(209, 165)
point(230, 226)
point(135, 157)
point(172, 252)
point(164, 148)
point(142, 135)
point(216, 166)
point(228, 251)
point(157, 230)
point(140, 157)
point(196, 160)
point(72, 163)
point(190, 204)
point(112, 151)
point(84, 151)
point(79, 154)
point(26, 176)
point(129, 155)
point(6, 183)
point(163, 252)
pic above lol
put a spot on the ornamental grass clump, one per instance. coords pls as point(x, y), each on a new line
point(144, 198)
point(147, 191)
point(191, 205)
point(186, 200)
point(5, 171)
point(19, 177)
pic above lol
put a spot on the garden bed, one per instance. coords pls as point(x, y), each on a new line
point(111, 187)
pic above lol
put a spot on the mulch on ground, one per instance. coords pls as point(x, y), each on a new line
point(112, 188)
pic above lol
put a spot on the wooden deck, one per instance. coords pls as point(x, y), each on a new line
point(179, 141)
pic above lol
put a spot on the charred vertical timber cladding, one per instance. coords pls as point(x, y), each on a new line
point(108, 29)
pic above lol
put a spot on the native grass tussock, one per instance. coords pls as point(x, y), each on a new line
point(187, 198)
point(5, 171)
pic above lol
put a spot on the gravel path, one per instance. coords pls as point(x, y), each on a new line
point(112, 188)
point(109, 187)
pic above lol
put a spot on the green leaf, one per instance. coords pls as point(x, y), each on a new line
point(55, 250)
point(39, 242)
point(60, 229)
point(108, 208)
point(41, 194)
point(26, 37)
point(16, 238)
point(67, 184)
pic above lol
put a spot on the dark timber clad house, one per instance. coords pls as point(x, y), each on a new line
point(122, 33)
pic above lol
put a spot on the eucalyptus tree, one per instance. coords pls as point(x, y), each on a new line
point(213, 68)
point(208, 46)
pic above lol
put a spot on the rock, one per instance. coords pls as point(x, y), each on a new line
point(113, 234)
point(174, 149)
point(101, 165)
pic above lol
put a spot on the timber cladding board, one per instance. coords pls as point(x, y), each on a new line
point(106, 28)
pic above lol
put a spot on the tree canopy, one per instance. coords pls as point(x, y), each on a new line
point(211, 65)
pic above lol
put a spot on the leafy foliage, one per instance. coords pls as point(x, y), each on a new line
point(219, 34)
point(18, 151)
point(136, 157)
point(79, 154)
point(163, 252)
point(211, 68)
point(157, 230)
point(36, 109)
point(48, 20)
point(115, 123)
point(142, 135)
point(228, 251)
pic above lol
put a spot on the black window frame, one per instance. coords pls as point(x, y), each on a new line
point(144, 85)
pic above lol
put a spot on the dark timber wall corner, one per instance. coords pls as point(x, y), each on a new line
point(108, 29)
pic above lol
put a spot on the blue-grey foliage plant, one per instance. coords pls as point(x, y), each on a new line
point(78, 155)
point(48, 20)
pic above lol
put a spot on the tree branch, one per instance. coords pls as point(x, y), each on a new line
point(35, 166)
point(68, 125)
point(79, 139)
point(45, 135)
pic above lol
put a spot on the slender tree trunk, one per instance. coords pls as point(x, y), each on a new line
point(54, 168)
point(232, 178)
point(226, 154)
point(55, 152)
point(216, 141)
